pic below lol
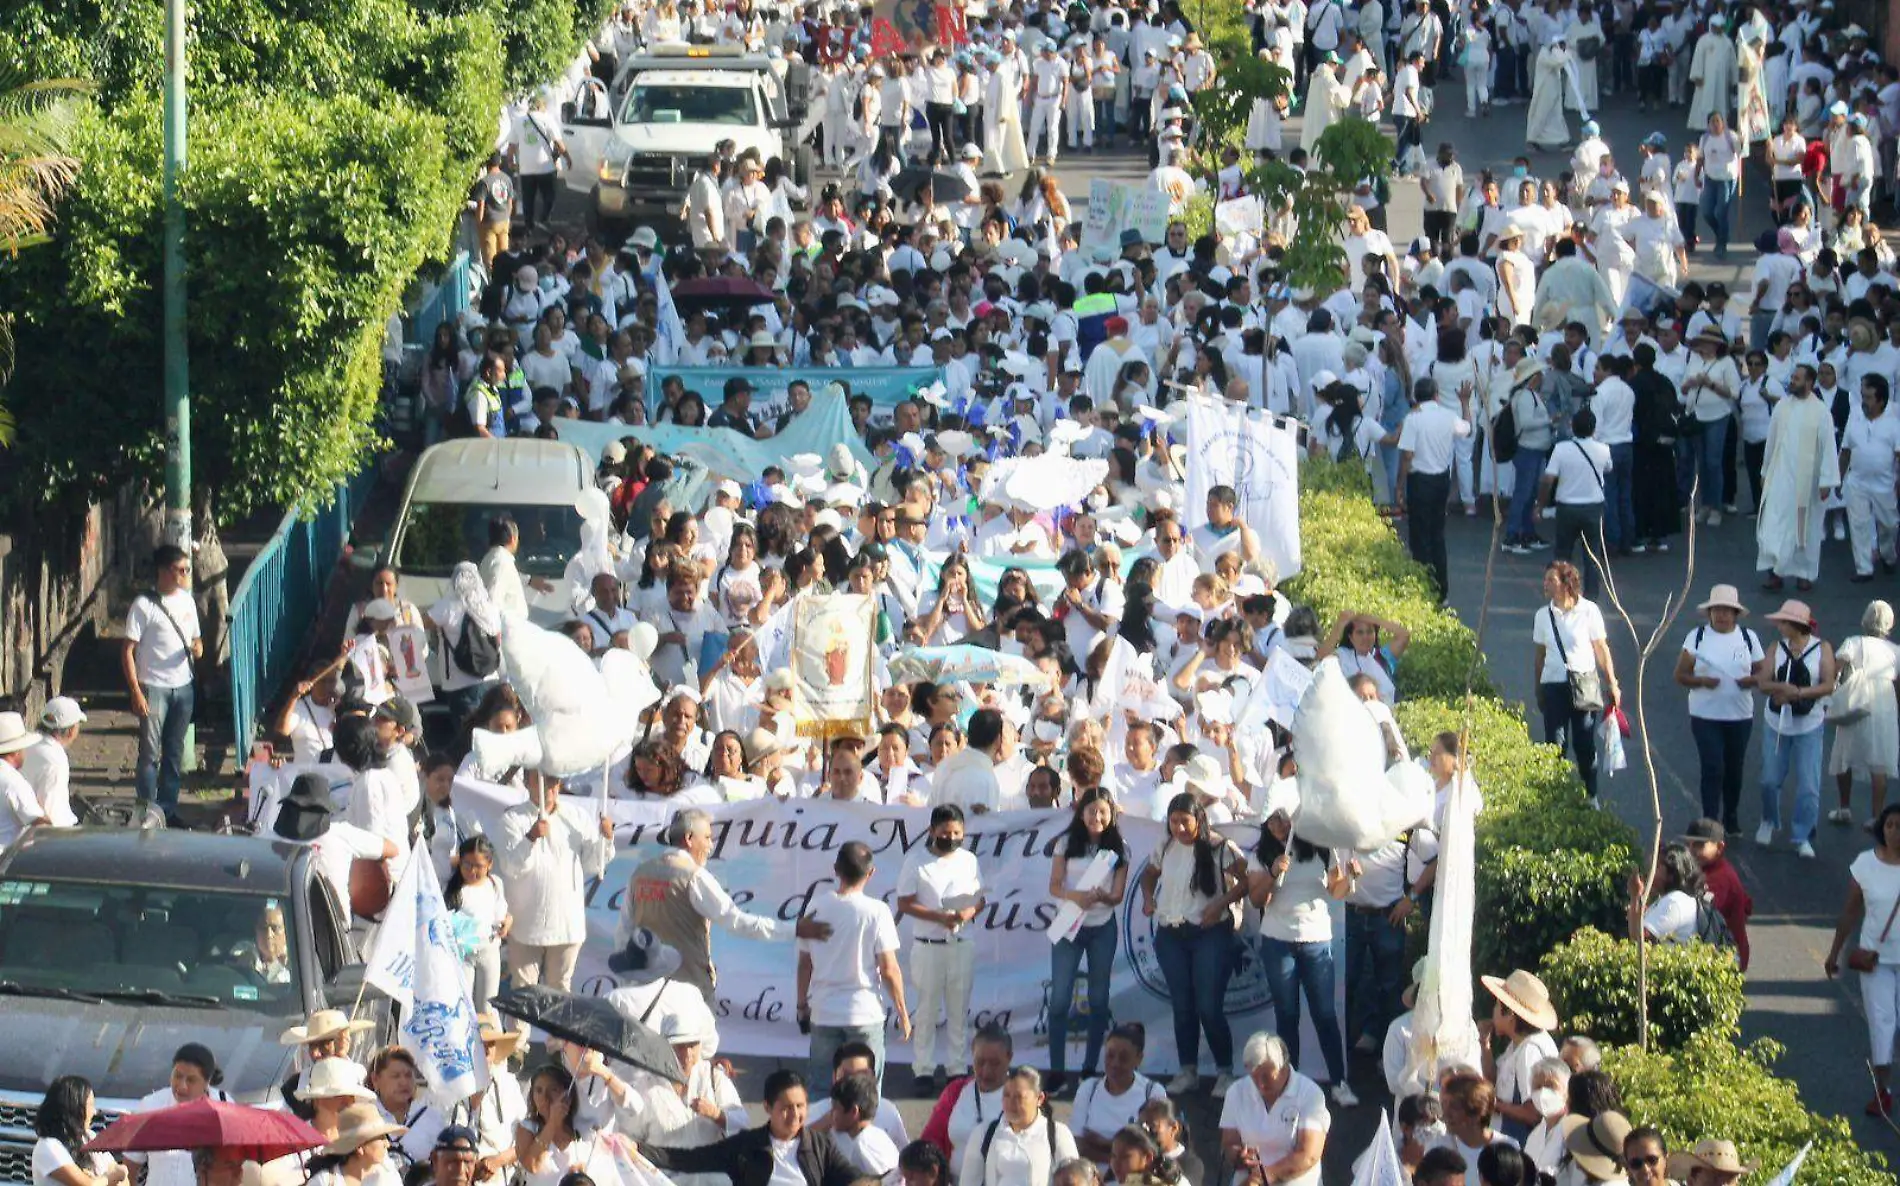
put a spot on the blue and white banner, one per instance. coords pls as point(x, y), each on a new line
point(413, 960)
point(887, 386)
point(726, 453)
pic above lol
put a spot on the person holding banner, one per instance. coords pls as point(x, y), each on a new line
point(549, 850)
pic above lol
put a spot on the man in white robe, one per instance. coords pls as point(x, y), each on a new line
point(1712, 73)
point(1800, 470)
point(1104, 368)
point(1577, 290)
point(1326, 101)
point(1544, 125)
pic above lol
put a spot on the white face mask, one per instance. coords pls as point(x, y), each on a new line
point(1548, 1102)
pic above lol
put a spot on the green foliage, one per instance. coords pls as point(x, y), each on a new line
point(1694, 989)
point(1221, 112)
point(331, 145)
point(1712, 1088)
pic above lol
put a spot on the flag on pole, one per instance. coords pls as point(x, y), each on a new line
point(1379, 1164)
point(670, 330)
point(413, 961)
point(1786, 1177)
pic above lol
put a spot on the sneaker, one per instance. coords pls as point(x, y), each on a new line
point(1765, 835)
point(1861, 578)
point(1733, 828)
point(926, 1085)
point(1517, 549)
point(1471, 511)
point(1343, 1096)
point(1661, 545)
point(1638, 549)
point(1222, 1082)
point(1840, 815)
point(1840, 531)
point(1728, 508)
point(1715, 518)
point(1881, 1104)
point(1804, 850)
point(1186, 1080)
point(1366, 1045)
point(1537, 543)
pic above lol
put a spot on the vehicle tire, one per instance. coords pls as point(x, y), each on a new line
point(804, 164)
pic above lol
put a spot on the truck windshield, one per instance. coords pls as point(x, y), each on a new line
point(678, 103)
point(152, 944)
point(440, 535)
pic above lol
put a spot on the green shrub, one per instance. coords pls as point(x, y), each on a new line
point(1694, 989)
point(1531, 900)
point(1712, 1088)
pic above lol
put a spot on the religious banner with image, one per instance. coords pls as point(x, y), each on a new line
point(1256, 454)
point(833, 647)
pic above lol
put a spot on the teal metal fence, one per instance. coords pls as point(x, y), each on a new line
point(281, 595)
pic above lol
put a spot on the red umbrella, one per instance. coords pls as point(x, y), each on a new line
point(259, 1134)
point(732, 293)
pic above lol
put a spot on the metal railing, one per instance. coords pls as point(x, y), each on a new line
point(281, 596)
point(279, 600)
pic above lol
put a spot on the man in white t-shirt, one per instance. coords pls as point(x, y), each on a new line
point(857, 1058)
point(539, 151)
point(162, 640)
point(705, 210)
point(1868, 449)
point(1281, 1115)
point(854, 1101)
point(838, 975)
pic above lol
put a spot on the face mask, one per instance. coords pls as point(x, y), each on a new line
point(1547, 1102)
point(1519, 171)
point(943, 844)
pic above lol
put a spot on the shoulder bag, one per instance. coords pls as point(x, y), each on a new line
point(1586, 687)
point(1866, 959)
point(1853, 697)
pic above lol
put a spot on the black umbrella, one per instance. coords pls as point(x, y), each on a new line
point(593, 1023)
point(947, 187)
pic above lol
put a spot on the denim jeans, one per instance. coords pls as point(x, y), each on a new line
point(162, 744)
point(1717, 197)
point(1105, 121)
point(1375, 973)
point(1619, 508)
point(1722, 748)
point(1528, 467)
point(1699, 463)
point(1293, 968)
point(1799, 754)
point(1575, 731)
point(825, 1041)
point(1196, 962)
point(1098, 944)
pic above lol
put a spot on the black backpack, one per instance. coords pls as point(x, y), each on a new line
point(476, 651)
point(1504, 432)
point(1710, 926)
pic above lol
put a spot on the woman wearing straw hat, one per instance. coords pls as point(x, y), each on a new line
point(1721, 664)
point(1870, 744)
point(1523, 1016)
point(1710, 1163)
point(360, 1153)
point(332, 1087)
point(1800, 678)
point(1595, 1145)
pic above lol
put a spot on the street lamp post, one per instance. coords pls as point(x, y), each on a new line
point(177, 529)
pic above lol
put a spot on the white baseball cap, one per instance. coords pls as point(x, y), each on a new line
point(62, 712)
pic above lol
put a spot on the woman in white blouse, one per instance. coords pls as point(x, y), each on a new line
point(1106, 1105)
point(1568, 638)
point(1368, 646)
point(1024, 1145)
point(546, 1143)
point(63, 1124)
point(1679, 890)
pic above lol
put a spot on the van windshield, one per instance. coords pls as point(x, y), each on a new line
point(677, 103)
point(151, 944)
point(441, 535)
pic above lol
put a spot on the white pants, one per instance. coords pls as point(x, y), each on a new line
point(1872, 515)
point(1880, 992)
point(1082, 118)
point(941, 974)
point(835, 124)
point(1464, 486)
point(1477, 88)
point(1045, 115)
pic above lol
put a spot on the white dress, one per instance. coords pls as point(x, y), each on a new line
point(1870, 745)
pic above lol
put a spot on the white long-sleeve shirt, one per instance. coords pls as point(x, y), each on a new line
point(546, 879)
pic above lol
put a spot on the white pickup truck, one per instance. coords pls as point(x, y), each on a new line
point(636, 147)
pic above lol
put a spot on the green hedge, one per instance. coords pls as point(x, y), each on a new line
point(332, 143)
point(1694, 989)
point(1711, 1087)
point(1551, 870)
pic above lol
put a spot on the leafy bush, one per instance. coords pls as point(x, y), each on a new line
point(1533, 899)
point(1712, 1088)
point(1694, 989)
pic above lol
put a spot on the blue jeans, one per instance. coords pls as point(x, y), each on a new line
point(1196, 962)
point(162, 744)
point(1528, 466)
point(1717, 197)
point(1799, 754)
point(1098, 944)
point(1575, 731)
point(1619, 510)
point(1104, 120)
point(1721, 749)
point(1699, 459)
point(825, 1041)
point(1375, 973)
point(1293, 968)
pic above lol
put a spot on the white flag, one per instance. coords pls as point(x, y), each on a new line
point(1786, 1177)
point(1259, 457)
point(1379, 1164)
point(670, 331)
point(415, 963)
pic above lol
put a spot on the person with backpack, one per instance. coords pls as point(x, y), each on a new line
point(1676, 909)
point(1721, 665)
point(1708, 844)
point(468, 636)
point(1025, 1145)
point(1800, 678)
point(1523, 435)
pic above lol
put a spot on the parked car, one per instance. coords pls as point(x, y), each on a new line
point(118, 946)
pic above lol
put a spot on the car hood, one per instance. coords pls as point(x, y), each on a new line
point(685, 139)
point(125, 1051)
